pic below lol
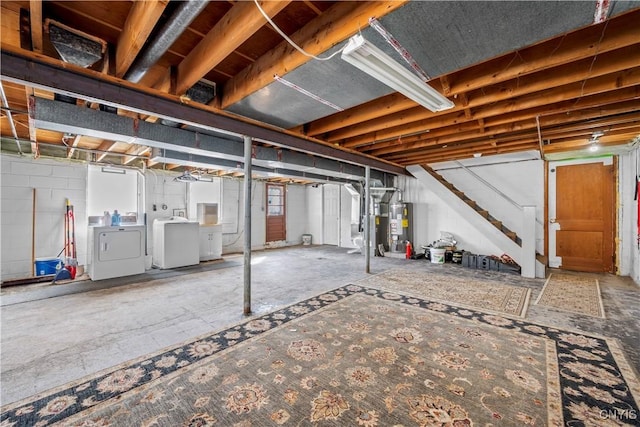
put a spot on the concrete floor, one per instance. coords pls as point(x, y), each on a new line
point(53, 334)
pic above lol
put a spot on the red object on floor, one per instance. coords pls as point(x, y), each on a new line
point(72, 270)
point(408, 254)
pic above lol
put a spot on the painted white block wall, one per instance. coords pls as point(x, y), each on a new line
point(522, 181)
point(296, 214)
point(54, 181)
point(233, 216)
point(314, 214)
point(346, 202)
point(431, 216)
point(164, 194)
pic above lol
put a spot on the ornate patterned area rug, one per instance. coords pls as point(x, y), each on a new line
point(358, 356)
point(572, 293)
point(473, 293)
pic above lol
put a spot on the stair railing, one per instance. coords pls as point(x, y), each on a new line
point(529, 220)
point(497, 191)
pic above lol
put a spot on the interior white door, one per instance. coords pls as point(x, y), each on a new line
point(331, 214)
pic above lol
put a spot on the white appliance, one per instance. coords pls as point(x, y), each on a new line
point(115, 251)
point(210, 242)
point(175, 242)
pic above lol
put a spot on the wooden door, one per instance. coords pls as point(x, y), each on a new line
point(276, 215)
point(581, 216)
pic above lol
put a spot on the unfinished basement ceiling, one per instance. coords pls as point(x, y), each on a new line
point(524, 76)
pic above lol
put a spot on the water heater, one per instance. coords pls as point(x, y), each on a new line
point(400, 226)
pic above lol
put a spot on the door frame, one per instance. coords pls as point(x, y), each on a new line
point(284, 211)
point(553, 260)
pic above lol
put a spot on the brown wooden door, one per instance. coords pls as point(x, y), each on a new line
point(276, 215)
point(584, 216)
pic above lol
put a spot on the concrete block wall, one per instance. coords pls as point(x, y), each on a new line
point(296, 213)
point(315, 225)
point(522, 181)
point(163, 195)
point(54, 181)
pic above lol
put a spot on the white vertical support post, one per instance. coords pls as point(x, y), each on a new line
point(528, 263)
point(247, 225)
point(367, 221)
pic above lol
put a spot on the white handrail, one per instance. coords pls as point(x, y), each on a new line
point(488, 184)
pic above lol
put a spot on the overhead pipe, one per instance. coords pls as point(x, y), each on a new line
point(5, 104)
point(181, 18)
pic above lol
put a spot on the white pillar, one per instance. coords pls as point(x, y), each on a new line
point(367, 222)
point(247, 225)
point(528, 263)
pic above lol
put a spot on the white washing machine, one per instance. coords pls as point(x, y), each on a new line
point(115, 251)
point(175, 242)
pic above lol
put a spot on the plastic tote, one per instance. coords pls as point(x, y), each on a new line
point(437, 255)
point(45, 266)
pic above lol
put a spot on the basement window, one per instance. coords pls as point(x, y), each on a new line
point(111, 188)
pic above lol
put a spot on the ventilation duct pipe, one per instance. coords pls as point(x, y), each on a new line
point(184, 14)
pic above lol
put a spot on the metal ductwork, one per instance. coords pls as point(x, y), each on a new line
point(184, 14)
point(73, 46)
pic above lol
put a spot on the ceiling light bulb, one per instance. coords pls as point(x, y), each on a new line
point(593, 148)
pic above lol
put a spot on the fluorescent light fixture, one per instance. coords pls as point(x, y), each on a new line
point(363, 55)
point(109, 169)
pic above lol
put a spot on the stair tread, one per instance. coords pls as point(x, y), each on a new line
point(474, 205)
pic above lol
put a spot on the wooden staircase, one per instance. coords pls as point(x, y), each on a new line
point(482, 212)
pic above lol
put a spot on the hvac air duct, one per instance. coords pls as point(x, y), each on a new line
point(73, 46)
point(181, 18)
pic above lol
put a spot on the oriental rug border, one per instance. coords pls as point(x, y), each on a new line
point(584, 362)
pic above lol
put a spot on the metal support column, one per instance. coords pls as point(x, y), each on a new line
point(247, 225)
point(367, 220)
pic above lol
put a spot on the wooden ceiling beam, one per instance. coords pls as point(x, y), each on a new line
point(241, 22)
point(371, 110)
point(605, 65)
point(576, 91)
point(444, 155)
point(336, 24)
point(620, 31)
point(104, 148)
point(135, 151)
point(475, 144)
point(74, 144)
point(615, 135)
point(573, 144)
point(606, 103)
point(458, 133)
point(593, 40)
point(140, 22)
point(35, 18)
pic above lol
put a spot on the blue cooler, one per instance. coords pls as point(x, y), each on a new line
point(46, 266)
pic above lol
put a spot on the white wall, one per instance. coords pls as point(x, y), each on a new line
point(346, 202)
point(314, 214)
point(628, 253)
point(296, 213)
point(54, 181)
point(233, 215)
point(522, 181)
point(163, 195)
